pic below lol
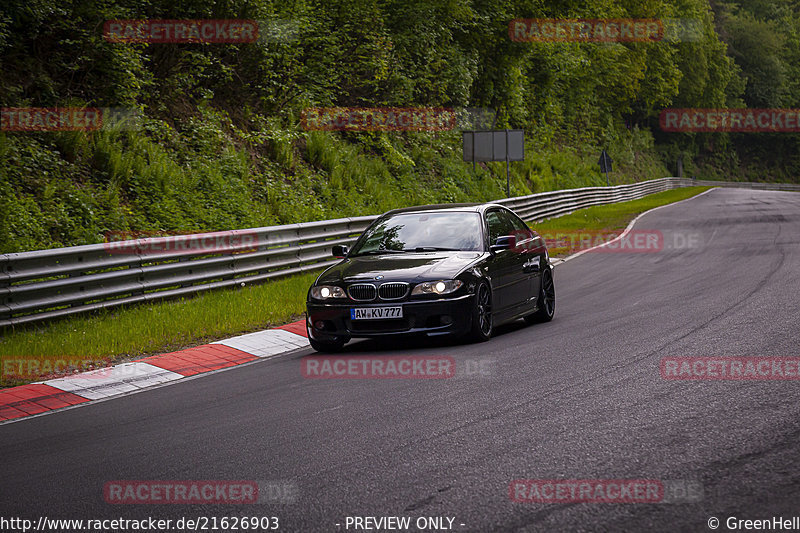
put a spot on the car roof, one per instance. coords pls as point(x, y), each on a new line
point(476, 208)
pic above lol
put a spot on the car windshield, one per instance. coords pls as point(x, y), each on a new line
point(422, 232)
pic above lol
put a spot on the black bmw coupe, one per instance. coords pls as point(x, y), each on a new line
point(456, 269)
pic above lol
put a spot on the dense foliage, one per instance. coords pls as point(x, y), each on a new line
point(221, 145)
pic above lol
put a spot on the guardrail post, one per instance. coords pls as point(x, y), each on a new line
point(75, 275)
point(140, 267)
point(261, 248)
point(5, 286)
point(297, 251)
point(5, 311)
point(183, 259)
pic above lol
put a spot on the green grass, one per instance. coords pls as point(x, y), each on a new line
point(157, 327)
point(205, 174)
point(608, 217)
point(167, 326)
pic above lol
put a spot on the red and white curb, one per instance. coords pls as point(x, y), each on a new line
point(53, 394)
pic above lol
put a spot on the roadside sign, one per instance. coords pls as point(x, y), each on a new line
point(491, 145)
point(494, 145)
point(605, 164)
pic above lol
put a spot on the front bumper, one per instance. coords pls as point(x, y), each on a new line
point(444, 316)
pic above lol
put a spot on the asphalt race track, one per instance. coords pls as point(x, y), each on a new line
point(579, 398)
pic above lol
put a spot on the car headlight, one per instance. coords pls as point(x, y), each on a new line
point(445, 286)
point(326, 292)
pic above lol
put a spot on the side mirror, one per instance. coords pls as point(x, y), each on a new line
point(506, 242)
point(339, 251)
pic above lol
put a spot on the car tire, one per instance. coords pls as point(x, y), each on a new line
point(482, 325)
point(326, 347)
point(546, 301)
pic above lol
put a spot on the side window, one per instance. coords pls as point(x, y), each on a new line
point(520, 229)
point(499, 225)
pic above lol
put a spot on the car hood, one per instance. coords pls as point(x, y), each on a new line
point(413, 267)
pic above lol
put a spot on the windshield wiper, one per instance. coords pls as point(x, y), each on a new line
point(430, 249)
point(379, 252)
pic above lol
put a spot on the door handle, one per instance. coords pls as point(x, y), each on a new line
point(531, 265)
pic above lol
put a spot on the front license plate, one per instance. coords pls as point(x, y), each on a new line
point(374, 313)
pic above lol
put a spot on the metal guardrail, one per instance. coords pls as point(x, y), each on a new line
point(540, 206)
point(46, 284)
point(747, 185)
